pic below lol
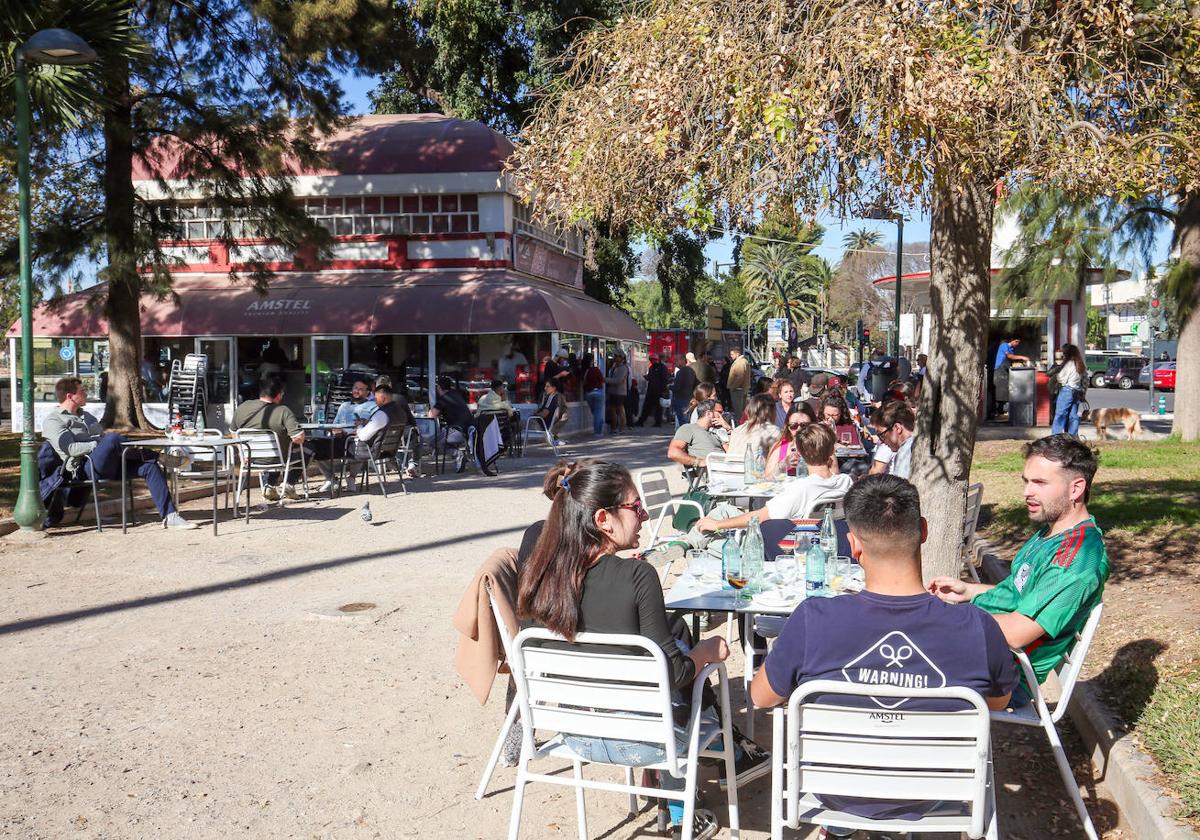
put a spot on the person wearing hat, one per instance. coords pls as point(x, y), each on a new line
point(817, 391)
point(556, 369)
point(656, 388)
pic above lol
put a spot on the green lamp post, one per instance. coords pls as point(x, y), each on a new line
point(49, 46)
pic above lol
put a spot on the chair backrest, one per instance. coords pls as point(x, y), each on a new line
point(652, 486)
point(892, 754)
point(501, 624)
point(583, 691)
point(201, 455)
point(971, 517)
point(387, 443)
point(1072, 663)
point(263, 445)
point(724, 468)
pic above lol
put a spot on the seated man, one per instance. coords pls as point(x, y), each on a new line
point(552, 409)
point(892, 633)
point(1058, 576)
point(495, 401)
point(452, 408)
point(694, 442)
point(268, 412)
point(392, 411)
point(822, 486)
point(894, 424)
point(354, 411)
point(75, 433)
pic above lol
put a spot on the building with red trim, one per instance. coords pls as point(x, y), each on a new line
point(435, 267)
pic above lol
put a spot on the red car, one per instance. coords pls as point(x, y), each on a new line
point(1164, 377)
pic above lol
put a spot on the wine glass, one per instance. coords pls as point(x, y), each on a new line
point(735, 576)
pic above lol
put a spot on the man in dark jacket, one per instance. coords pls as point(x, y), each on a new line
point(681, 389)
point(656, 388)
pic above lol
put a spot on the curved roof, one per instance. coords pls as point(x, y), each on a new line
point(382, 144)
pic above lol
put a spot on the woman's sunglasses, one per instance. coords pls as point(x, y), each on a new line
point(636, 507)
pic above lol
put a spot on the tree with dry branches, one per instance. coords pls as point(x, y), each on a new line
point(692, 112)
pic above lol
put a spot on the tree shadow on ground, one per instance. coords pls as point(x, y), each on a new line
point(1130, 679)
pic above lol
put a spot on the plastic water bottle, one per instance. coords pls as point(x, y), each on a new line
point(748, 467)
point(814, 568)
point(753, 553)
point(828, 534)
point(731, 558)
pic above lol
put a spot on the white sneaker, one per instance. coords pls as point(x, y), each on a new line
point(289, 490)
point(327, 487)
point(271, 494)
point(174, 520)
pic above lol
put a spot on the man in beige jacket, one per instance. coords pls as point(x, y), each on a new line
point(739, 381)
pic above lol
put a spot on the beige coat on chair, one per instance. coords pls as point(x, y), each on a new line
point(480, 654)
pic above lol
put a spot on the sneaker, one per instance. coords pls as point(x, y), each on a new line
point(327, 487)
point(174, 520)
point(460, 460)
point(289, 490)
point(704, 825)
point(754, 762)
point(271, 494)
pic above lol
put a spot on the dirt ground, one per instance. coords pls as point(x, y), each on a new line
point(177, 685)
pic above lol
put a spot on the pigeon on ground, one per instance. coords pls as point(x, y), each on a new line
point(365, 512)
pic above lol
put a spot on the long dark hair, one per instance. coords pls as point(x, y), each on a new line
point(1071, 354)
point(760, 410)
point(551, 581)
point(703, 391)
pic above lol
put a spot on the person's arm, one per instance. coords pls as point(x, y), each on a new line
point(955, 591)
point(374, 426)
point(707, 523)
point(773, 460)
point(653, 624)
point(678, 453)
point(55, 430)
point(434, 412)
point(1019, 631)
point(1002, 667)
point(292, 425)
point(762, 694)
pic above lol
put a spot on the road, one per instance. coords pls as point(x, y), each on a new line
point(1135, 398)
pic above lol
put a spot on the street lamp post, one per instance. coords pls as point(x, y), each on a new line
point(881, 212)
point(49, 46)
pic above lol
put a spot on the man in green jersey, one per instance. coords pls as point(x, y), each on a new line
point(1058, 576)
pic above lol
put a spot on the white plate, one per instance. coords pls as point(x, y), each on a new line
point(776, 600)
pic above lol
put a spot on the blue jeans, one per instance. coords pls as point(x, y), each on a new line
point(595, 401)
point(679, 406)
point(639, 754)
point(106, 461)
point(1066, 412)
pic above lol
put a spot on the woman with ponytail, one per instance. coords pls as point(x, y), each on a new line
point(574, 582)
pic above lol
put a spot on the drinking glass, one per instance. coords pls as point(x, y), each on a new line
point(697, 563)
point(839, 569)
point(787, 570)
point(735, 576)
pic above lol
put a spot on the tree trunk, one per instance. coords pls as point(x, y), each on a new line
point(1187, 299)
point(960, 281)
point(122, 307)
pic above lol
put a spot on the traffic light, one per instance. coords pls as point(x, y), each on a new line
point(1154, 303)
point(859, 330)
point(866, 336)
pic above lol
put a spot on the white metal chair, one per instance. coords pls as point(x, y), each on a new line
point(656, 496)
point(220, 460)
point(1038, 712)
point(970, 521)
point(544, 432)
point(879, 753)
point(513, 710)
point(724, 468)
point(262, 455)
point(762, 626)
point(577, 691)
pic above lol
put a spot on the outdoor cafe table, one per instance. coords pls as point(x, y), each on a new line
point(210, 442)
point(318, 427)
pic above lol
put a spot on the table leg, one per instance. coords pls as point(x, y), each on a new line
point(214, 466)
point(695, 627)
point(124, 525)
point(304, 471)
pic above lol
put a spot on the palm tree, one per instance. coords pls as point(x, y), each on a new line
point(780, 280)
point(862, 241)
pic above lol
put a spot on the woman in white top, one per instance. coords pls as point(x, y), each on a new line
point(759, 432)
point(1070, 385)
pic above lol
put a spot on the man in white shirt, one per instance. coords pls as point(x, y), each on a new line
point(822, 486)
point(894, 423)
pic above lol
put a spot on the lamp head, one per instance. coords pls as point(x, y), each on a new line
point(56, 46)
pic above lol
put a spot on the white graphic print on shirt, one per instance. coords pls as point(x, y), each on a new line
point(894, 660)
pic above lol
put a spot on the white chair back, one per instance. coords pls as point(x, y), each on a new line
point(725, 468)
point(970, 523)
point(654, 489)
point(583, 691)
point(891, 754)
point(263, 447)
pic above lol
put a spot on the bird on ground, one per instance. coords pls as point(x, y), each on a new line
point(365, 512)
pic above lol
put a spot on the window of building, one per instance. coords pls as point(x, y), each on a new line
point(568, 239)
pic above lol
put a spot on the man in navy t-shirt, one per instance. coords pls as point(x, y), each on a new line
point(893, 633)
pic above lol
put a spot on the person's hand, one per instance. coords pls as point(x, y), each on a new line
point(298, 439)
point(707, 523)
point(951, 590)
point(793, 458)
point(712, 649)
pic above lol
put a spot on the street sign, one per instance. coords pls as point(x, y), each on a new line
point(66, 352)
point(777, 330)
point(1133, 328)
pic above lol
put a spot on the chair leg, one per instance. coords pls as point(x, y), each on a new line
point(1064, 769)
point(777, 747)
point(509, 719)
point(992, 831)
point(632, 796)
point(514, 823)
point(580, 801)
point(381, 476)
point(748, 674)
point(731, 788)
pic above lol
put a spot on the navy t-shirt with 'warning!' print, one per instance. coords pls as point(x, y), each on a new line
point(913, 641)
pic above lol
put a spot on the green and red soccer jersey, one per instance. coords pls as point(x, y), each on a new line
point(1055, 580)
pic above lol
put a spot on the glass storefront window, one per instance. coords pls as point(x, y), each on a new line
point(405, 358)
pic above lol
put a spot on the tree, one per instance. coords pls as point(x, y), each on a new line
point(242, 92)
point(1097, 329)
point(709, 108)
point(853, 296)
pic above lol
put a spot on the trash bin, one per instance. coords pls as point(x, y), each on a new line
point(882, 375)
point(1022, 396)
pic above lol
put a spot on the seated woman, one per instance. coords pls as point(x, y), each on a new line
point(784, 457)
point(575, 583)
point(784, 393)
point(836, 414)
point(703, 392)
point(759, 432)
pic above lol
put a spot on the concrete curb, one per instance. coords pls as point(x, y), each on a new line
point(1127, 771)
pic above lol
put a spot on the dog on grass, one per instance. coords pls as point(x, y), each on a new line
point(1104, 417)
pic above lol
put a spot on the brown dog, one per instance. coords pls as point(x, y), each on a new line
point(1103, 417)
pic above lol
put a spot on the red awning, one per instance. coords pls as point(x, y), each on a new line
point(352, 303)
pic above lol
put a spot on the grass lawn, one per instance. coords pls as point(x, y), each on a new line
point(10, 472)
point(1146, 656)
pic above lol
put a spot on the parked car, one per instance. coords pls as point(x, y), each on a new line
point(1124, 371)
point(1164, 376)
point(1097, 365)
